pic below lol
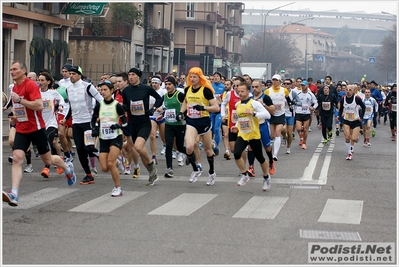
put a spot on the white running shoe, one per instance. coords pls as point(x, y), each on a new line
point(174, 154)
point(128, 170)
point(243, 180)
point(194, 176)
point(117, 192)
point(29, 168)
point(163, 151)
point(211, 179)
point(266, 184)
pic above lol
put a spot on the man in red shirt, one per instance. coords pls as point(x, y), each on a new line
point(28, 106)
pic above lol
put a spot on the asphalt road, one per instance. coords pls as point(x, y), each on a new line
point(316, 196)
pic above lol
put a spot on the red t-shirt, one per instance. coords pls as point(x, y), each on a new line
point(28, 120)
point(314, 89)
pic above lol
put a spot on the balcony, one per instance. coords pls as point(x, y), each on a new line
point(235, 31)
point(158, 37)
point(203, 17)
point(218, 52)
point(101, 30)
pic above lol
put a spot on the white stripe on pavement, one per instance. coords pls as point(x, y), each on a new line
point(106, 203)
point(183, 205)
point(39, 197)
point(342, 211)
point(261, 207)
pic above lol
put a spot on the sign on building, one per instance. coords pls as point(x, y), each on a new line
point(84, 8)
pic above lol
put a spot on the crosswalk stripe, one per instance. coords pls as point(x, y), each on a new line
point(183, 205)
point(106, 203)
point(342, 211)
point(265, 207)
point(39, 197)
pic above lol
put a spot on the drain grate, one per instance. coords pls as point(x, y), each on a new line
point(316, 234)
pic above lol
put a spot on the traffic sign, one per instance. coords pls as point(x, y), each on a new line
point(320, 58)
point(372, 60)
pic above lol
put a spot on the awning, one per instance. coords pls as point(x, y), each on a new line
point(10, 24)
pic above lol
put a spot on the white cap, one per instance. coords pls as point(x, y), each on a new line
point(343, 83)
point(276, 76)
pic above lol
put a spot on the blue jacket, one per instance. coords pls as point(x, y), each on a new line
point(376, 94)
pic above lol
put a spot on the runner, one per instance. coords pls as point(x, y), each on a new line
point(371, 107)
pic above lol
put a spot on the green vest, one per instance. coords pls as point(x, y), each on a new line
point(172, 109)
point(108, 116)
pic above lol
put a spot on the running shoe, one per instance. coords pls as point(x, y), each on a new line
point(154, 158)
point(368, 144)
point(337, 132)
point(266, 184)
point(349, 157)
point(117, 192)
point(352, 150)
point(211, 179)
point(272, 168)
point(29, 168)
point(310, 129)
point(330, 134)
point(87, 180)
point(373, 132)
point(293, 136)
point(243, 180)
point(181, 158)
point(275, 159)
point(70, 175)
point(10, 198)
point(35, 150)
point(94, 171)
point(194, 176)
point(319, 126)
point(10, 159)
point(163, 151)
point(215, 148)
point(304, 146)
point(68, 159)
point(45, 172)
point(325, 141)
point(301, 142)
point(59, 170)
point(136, 172)
point(174, 154)
point(393, 138)
point(199, 168)
point(288, 151)
point(119, 166)
point(152, 180)
point(251, 171)
point(227, 155)
point(169, 173)
point(128, 170)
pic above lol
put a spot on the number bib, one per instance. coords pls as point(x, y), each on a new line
point(368, 109)
point(234, 116)
point(106, 132)
point(278, 106)
point(326, 105)
point(349, 116)
point(170, 115)
point(305, 108)
point(394, 107)
point(47, 104)
point(89, 140)
point(245, 125)
point(137, 108)
point(20, 112)
point(193, 113)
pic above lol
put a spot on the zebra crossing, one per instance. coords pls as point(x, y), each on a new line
point(265, 207)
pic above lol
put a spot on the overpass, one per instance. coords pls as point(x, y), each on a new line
point(362, 26)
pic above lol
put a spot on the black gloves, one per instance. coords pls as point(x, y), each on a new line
point(115, 126)
point(151, 111)
point(199, 107)
point(180, 116)
point(94, 132)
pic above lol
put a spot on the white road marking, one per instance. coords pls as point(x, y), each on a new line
point(257, 207)
point(342, 211)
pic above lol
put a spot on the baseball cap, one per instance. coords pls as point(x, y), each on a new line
point(67, 67)
point(343, 83)
point(276, 76)
point(304, 83)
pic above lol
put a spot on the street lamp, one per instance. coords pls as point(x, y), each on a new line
point(264, 27)
point(306, 55)
point(281, 33)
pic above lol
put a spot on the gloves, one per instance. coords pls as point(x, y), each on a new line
point(180, 116)
point(114, 126)
point(199, 107)
point(151, 111)
point(94, 132)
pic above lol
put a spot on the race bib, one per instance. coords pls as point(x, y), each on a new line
point(245, 125)
point(278, 106)
point(89, 140)
point(193, 113)
point(20, 112)
point(234, 116)
point(369, 109)
point(170, 115)
point(106, 131)
point(326, 105)
point(137, 108)
point(47, 104)
point(305, 108)
point(349, 116)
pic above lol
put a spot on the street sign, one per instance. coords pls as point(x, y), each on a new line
point(84, 8)
point(282, 71)
point(372, 60)
point(320, 58)
point(217, 63)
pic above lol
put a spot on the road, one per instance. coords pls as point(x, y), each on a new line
point(316, 196)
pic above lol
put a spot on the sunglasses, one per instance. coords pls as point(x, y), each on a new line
point(287, 83)
point(104, 82)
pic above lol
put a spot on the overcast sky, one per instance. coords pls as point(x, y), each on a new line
point(342, 6)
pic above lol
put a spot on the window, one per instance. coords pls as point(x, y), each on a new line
point(190, 9)
point(190, 41)
point(159, 19)
point(44, 6)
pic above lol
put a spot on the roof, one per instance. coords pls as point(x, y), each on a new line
point(297, 28)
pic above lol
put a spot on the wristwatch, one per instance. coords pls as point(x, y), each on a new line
point(19, 100)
